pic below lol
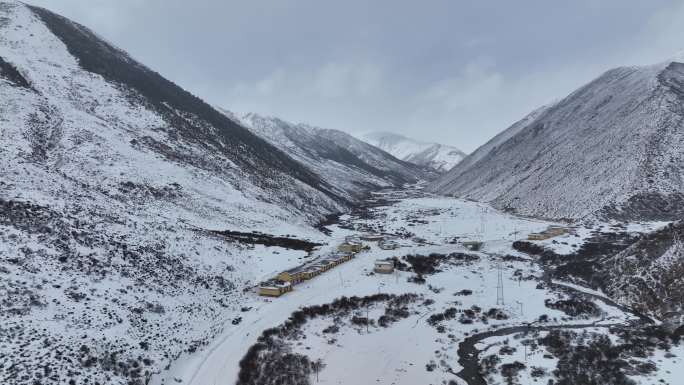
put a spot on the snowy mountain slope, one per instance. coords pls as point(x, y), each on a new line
point(611, 149)
point(110, 176)
point(439, 157)
point(343, 161)
point(191, 119)
point(648, 274)
point(497, 140)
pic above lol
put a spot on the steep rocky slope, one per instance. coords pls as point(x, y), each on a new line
point(348, 164)
point(438, 157)
point(649, 274)
point(612, 149)
point(111, 176)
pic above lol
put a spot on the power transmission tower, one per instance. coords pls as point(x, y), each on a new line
point(499, 286)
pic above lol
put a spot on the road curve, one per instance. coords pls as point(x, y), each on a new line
point(469, 356)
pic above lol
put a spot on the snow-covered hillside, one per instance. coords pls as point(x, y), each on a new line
point(496, 141)
point(439, 157)
point(612, 149)
point(437, 319)
point(648, 274)
point(346, 163)
point(111, 176)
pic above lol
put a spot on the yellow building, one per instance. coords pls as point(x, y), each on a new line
point(556, 230)
point(325, 265)
point(274, 288)
point(310, 272)
point(291, 276)
point(550, 232)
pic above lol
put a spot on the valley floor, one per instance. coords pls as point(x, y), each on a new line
point(454, 324)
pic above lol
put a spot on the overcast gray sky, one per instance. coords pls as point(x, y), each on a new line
point(450, 71)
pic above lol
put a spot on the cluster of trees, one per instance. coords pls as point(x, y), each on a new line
point(593, 359)
point(595, 362)
point(466, 316)
point(271, 361)
point(574, 307)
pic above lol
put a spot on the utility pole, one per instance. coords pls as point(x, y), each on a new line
point(499, 286)
point(515, 233)
point(317, 366)
point(521, 307)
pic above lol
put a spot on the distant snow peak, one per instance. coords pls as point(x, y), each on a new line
point(439, 157)
point(350, 166)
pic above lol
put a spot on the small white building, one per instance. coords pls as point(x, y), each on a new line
point(384, 266)
point(472, 245)
point(370, 237)
point(387, 244)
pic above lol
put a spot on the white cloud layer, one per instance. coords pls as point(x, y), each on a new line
point(454, 72)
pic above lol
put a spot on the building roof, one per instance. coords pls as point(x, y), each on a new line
point(297, 269)
point(274, 284)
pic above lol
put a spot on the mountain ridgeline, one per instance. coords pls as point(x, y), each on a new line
point(191, 118)
point(352, 166)
point(438, 157)
point(612, 150)
point(136, 219)
point(117, 188)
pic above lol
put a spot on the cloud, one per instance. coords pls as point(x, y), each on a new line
point(662, 37)
point(477, 84)
point(455, 71)
point(344, 80)
point(294, 92)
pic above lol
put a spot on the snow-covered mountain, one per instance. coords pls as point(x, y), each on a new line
point(611, 149)
point(439, 157)
point(500, 138)
point(345, 162)
point(112, 179)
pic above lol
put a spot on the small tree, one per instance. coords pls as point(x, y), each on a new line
point(317, 366)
